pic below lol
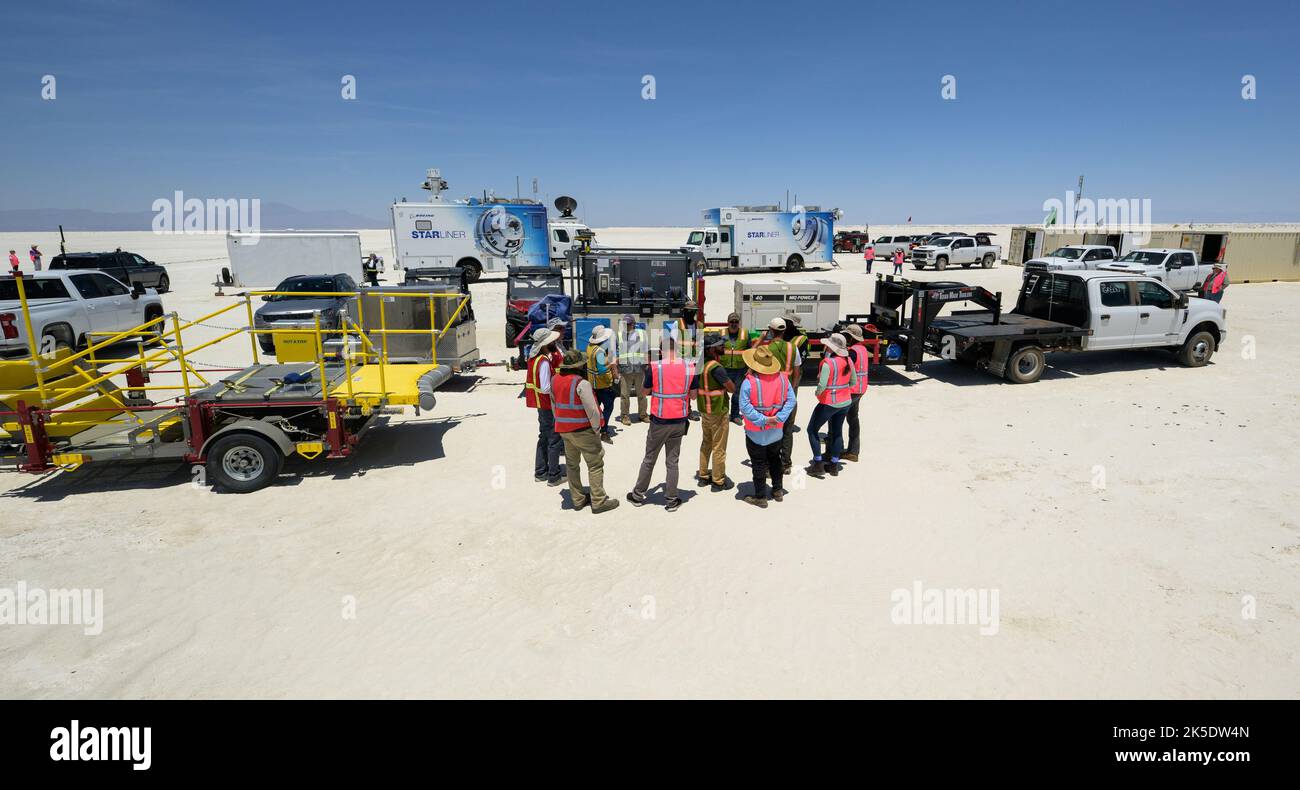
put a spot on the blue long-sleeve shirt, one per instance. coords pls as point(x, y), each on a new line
point(767, 435)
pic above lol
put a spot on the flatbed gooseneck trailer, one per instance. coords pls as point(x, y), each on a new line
point(1055, 312)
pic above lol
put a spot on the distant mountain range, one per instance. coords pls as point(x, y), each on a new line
point(275, 216)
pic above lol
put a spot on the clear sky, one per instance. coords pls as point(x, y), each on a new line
point(839, 103)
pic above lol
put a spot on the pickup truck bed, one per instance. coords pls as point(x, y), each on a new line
point(979, 325)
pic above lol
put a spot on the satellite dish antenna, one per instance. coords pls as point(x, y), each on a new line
point(566, 205)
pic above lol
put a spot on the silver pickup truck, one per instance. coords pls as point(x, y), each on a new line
point(66, 306)
point(965, 251)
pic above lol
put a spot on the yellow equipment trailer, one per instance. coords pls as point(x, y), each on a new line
point(74, 406)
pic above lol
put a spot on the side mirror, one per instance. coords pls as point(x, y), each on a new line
point(137, 290)
point(1181, 302)
point(266, 298)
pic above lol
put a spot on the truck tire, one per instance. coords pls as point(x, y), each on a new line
point(941, 262)
point(1197, 349)
point(153, 335)
point(794, 264)
point(61, 333)
point(243, 462)
point(164, 284)
point(473, 269)
point(1026, 365)
point(988, 261)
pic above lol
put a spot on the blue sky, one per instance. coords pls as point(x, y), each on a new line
point(838, 103)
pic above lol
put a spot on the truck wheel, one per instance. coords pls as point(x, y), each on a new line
point(243, 462)
point(795, 264)
point(473, 269)
point(1197, 350)
point(988, 261)
point(1025, 365)
point(941, 263)
point(153, 335)
point(164, 284)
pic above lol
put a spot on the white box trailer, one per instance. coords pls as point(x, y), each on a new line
point(268, 257)
point(816, 302)
point(739, 238)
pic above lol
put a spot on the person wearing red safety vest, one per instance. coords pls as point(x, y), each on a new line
point(537, 395)
point(836, 381)
point(669, 384)
point(578, 421)
point(1215, 283)
point(860, 356)
point(767, 401)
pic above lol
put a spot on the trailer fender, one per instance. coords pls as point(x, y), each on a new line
point(998, 360)
point(274, 434)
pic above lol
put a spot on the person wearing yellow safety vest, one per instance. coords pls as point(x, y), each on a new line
point(767, 400)
point(537, 395)
point(836, 381)
point(714, 386)
point(734, 342)
point(603, 375)
point(633, 346)
point(670, 384)
point(860, 356)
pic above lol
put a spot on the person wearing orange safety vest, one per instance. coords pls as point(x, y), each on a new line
point(578, 421)
point(860, 356)
point(537, 395)
point(715, 387)
point(1215, 283)
point(836, 381)
point(767, 401)
point(669, 383)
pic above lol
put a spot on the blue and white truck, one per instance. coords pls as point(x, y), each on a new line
point(740, 238)
point(488, 235)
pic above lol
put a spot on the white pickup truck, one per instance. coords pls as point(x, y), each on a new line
point(966, 251)
point(66, 306)
point(1075, 257)
point(1178, 269)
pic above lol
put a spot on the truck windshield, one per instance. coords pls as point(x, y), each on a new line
point(34, 289)
point(697, 238)
point(1069, 253)
point(304, 285)
point(1146, 258)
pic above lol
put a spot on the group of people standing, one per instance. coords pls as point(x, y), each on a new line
point(721, 379)
point(34, 254)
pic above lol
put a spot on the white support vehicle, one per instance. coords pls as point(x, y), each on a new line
point(67, 306)
point(1178, 269)
point(564, 230)
point(266, 258)
point(478, 236)
point(1074, 258)
point(959, 250)
point(740, 238)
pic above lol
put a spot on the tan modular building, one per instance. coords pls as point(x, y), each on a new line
point(1251, 255)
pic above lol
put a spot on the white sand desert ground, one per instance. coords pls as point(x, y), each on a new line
point(466, 588)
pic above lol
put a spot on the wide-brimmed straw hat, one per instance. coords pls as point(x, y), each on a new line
point(854, 331)
point(761, 360)
point(543, 338)
point(600, 334)
point(573, 360)
point(836, 344)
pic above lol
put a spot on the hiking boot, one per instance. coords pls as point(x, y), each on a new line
point(787, 469)
point(606, 438)
point(756, 501)
point(625, 420)
point(779, 494)
point(702, 481)
point(849, 457)
point(539, 478)
point(725, 485)
point(816, 469)
point(606, 506)
point(673, 504)
point(581, 506)
point(636, 499)
point(557, 481)
point(832, 469)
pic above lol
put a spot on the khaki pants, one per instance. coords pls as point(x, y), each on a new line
point(713, 446)
point(585, 446)
point(629, 383)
